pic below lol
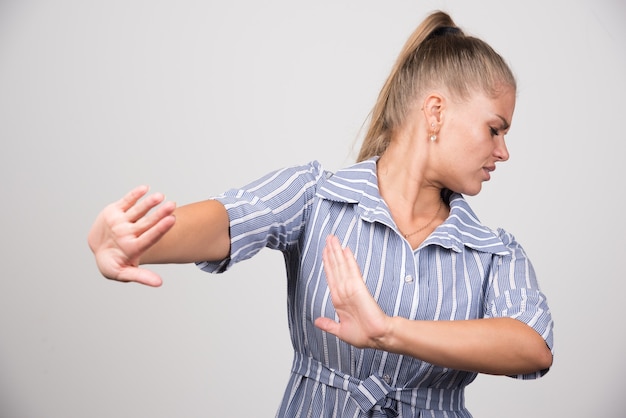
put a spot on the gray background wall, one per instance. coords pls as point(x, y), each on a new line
point(193, 97)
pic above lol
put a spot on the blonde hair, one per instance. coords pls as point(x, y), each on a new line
point(437, 54)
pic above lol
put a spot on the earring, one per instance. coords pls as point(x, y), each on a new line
point(433, 135)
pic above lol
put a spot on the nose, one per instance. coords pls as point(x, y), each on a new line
point(501, 152)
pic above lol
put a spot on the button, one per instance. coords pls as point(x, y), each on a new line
point(387, 379)
point(408, 279)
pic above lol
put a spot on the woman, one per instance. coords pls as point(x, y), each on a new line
point(397, 295)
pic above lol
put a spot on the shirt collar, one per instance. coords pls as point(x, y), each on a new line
point(358, 184)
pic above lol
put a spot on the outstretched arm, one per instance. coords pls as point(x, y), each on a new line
point(503, 346)
point(134, 231)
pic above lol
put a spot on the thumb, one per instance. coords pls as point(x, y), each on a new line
point(327, 324)
point(141, 276)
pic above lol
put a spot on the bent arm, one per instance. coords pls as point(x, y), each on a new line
point(200, 233)
point(502, 346)
point(141, 230)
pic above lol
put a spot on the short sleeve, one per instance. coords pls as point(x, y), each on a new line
point(269, 212)
point(515, 293)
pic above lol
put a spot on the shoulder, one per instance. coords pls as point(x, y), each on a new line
point(312, 170)
point(350, 184)
point(300, 176)
point(513, 246)
point(464, 229)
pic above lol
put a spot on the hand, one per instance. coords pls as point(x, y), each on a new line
point(124, 230)
point(361, 321)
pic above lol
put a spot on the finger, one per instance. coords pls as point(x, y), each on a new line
point(327, 325)
point(149, 221)
point(330, 266)
point(341, 260)
point(142, 207)
point(333, 255)
point(350, 264)
point(332, 242)
point(131, 197)
point(141, 276)
point(153, 234)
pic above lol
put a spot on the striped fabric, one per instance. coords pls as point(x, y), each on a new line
point(463, 270)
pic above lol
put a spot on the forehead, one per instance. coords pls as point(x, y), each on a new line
point(501, 103)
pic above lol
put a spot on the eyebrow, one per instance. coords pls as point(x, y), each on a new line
point(505, 124)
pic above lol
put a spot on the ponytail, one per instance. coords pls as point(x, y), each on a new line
point(436, 54)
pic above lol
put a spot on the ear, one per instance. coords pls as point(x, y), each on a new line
point(434, 106)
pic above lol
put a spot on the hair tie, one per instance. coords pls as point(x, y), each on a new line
point(444, 31)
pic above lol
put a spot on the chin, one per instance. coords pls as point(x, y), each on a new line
point(467, 188)
point(472, 191)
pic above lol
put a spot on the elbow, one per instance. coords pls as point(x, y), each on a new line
point(536, 360)
point(536, 354)
point(544, 358)
point(539, 356)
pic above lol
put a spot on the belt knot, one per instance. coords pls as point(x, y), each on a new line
point(376, 390)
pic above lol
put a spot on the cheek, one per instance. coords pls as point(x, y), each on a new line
point(461, 133)
point(463, 150)
point(465, 145)
point(475, 145)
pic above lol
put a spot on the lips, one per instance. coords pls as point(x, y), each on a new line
point(488, 170)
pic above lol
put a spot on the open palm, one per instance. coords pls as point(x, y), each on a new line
point(124, 230)
point(361, 321)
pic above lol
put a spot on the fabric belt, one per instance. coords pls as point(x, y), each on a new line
point(375, 390)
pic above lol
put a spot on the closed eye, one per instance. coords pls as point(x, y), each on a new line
point(494, 131)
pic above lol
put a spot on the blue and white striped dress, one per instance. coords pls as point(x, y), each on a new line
point(463, 270)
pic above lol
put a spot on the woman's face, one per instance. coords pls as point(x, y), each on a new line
point(472, 139)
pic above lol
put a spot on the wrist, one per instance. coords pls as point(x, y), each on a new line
point(388, 339)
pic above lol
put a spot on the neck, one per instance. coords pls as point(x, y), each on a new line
point(414, 201)
point(403, 179)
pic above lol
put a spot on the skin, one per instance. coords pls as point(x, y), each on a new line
point(144, 229)
point(129, 232)
point(501, 346)
point(412, 172)
point(470, 141)
point(471, 138)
